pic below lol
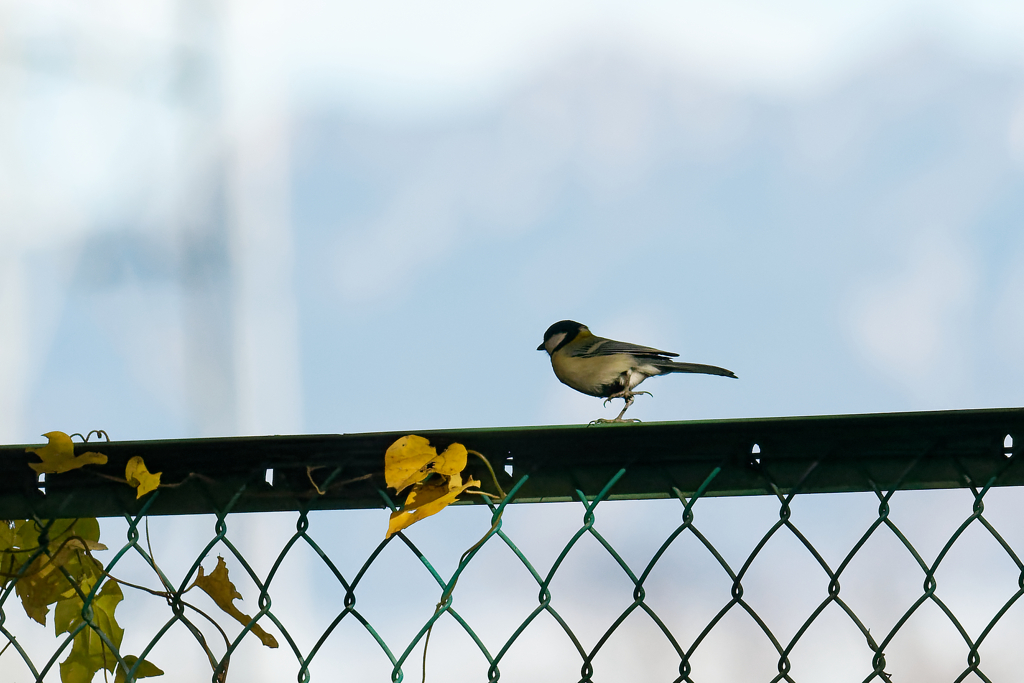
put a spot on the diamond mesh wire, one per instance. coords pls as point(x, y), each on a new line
point(978, 479)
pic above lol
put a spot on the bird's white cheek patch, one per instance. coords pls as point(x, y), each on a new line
point(552, 343)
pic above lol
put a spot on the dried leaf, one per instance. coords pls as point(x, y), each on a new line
point(219, 587)
point(426, 499)
point(142, 479)
point(58, 455)
point(412, 459)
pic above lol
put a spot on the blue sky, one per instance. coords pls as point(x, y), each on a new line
point(813, 204)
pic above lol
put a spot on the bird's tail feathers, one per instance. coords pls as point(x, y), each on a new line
point(671, 366)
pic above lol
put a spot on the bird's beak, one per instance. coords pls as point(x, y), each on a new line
point(540, 348)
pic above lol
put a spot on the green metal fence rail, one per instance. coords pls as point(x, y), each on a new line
point(782, 457)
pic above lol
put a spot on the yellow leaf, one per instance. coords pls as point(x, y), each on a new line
point(145, 670)
point(219, 587)
point(43, 581)
point(58, 455)
point(452, 461)
point(142, 479)
point(81, 544)
point(405, 461)
point(38, 589)
point(89, 653)
point(44, 584)
point(68, 612)
point(7, 535)
point(77, 668)
point(411, 459)
point(427, 499)
point(86, 528)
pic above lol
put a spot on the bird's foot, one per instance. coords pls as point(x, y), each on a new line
point(617, 420)
point(628, 395)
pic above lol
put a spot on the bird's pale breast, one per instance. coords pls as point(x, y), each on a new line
point(591, 375)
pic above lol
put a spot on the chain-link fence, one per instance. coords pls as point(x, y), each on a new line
point(653, 590)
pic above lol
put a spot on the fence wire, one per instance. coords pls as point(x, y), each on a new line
point(689, 462)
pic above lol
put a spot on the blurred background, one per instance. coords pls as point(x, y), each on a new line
point(226, 218)
point(247, 218)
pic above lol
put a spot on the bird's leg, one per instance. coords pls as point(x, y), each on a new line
point(629, 398)
point(629, 402)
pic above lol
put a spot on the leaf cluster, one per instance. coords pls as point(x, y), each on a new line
point(50, 564)
point(435, 480)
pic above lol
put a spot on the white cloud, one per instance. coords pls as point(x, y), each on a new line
point(388, 56)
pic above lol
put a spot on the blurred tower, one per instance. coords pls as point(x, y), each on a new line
point(204, 248)
point(258, 217)
point(266, 324)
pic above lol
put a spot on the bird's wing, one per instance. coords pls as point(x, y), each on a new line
point(599, 346)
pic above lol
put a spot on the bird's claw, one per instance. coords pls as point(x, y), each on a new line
point(627, 395)
point(619, 420)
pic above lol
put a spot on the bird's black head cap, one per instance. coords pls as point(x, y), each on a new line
point(570, 328)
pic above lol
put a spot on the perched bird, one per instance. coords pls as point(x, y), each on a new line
point(606, 368)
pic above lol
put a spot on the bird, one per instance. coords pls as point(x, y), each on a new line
point(607, 368)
